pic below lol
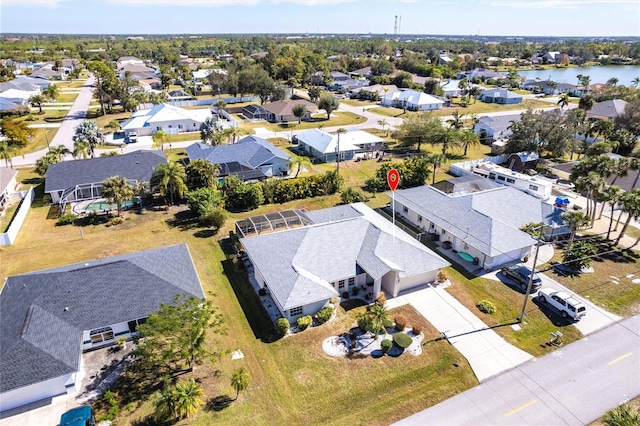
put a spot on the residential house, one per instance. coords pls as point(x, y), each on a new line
point(552, 57)
point(465, 185)
point(8, 185)
point(347, 85)
point(282, 111)
point(412, 100)
point(493, 128)
point(500, 96)
point(251, 158)
point(138, 72)
point(362, 72)
point(607, 110)
point(324, 146)
point(47, 72)
point(128, 60)
point(481, 74)
point(337, 250)
point(451, 88)
point(200, 77)
point(377, 91)
point(548, 87)
point(50, 317)
point(255, 112)
point(484, 224)
point(338, 76)
point(73, 181)
point(583, 90)
point(171, 119)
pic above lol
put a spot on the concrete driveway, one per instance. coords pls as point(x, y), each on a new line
point(487, 352)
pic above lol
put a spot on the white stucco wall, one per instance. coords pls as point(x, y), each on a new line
point(36, 392)
point(407, 283)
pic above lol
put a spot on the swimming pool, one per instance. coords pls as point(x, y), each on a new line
point(102, 205)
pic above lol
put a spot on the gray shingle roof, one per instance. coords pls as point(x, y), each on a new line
point(489, 221)
point(40, 339)
point(250, 151)
point(307, 260)
point(138, 165)
point(610, 109)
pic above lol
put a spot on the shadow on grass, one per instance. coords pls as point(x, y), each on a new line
point(150, 420)
point(552, 314)
point(258, 318)
point(205, 233)
point(218, 403)
point(185, 220)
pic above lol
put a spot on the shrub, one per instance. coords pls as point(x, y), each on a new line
point(324, 314)
point(66, 219)
point(262, 291)
point(363, 322)
point(304, 322)
point(386, 322)
point(202, 200)
point(403, 340)
point(352, 195)
point(385, 345)
point(442, 276)
point(355, 291)
point(46, 199)
point(401, 322)
point(345, 294)
point(486, 306)
point(282, 325)
point(381, 299)
point(115, 221)
point(375, 184)
point(215, 218)
point(417, 329)
point(623, 415)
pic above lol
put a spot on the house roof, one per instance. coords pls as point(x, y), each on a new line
point(378, 88)
point(247, 154)
point(499, 124)
point(44, 313)
point(24, 83)
point(489, 221)
point(324, 142)
point(500, 93)
point(138, 166)
point(610, 109)
point(413, 97)
point(285, 107)
point(163, 113)
point(255, 109)
point(308, 260)
point(6, 176)
point(338, 74)
point(362, 71)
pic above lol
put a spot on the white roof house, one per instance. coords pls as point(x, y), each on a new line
point(324, 146)
point(412, 100)
point(166, 117)
point(308, 268)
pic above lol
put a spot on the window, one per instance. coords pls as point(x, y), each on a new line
point(500, 177)
point(295, 311)
point(444, 232)
point(101, 334)
point(133, 325)
point(405, 209)
point(340, 284)
point(179, 126)
point(158, 128)
point(510, 180)
point(533, 187)
point(492, 176)
point(352, 281)
point(419, 219)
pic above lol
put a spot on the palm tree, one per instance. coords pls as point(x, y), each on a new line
point(611, 195)
point(586, 102)
point(378, 316)
point(574, 220)
point(37, 100)
point(475, 91)
point(239, 381)
point(164, 403)
point(635, 82)
point(612, 82)
point(340, 131)
point(563, 101)
point(60, 151)
point(88, 131)
point(590, 183)
point(51, 92)
point(81, 149)
point(221, 105)
point(170, 179)
point(436, 160)
point(445, 136)
point(585, 80)
point(235, 132)
point(209, 128)
point(159, 138)
point(384, 123)
point(467, 138)
point(117, 190)
point(5, 153)
point(187, 398)
point(300, 162)
point(630, 202)
point(457, 121)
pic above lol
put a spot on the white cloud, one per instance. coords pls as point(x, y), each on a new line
point(554, 4)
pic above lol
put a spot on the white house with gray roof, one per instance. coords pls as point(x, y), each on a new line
point(323, 146)
point(342, 248)
point(251, 158)
point(50, 317)
point(484, 224)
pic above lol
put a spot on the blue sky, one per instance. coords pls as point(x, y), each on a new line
point(485, 17)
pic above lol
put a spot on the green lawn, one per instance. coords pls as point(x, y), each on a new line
point(358, 103)
point(341, 118)
point(473, 108)
point(67, 97)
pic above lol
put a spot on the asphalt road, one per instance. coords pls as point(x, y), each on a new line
point(573, 385)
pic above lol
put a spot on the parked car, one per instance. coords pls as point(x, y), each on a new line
point(79, 416)
point(568, 305)
point(521, 274)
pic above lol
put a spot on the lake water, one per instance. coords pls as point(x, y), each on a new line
point(598, 74)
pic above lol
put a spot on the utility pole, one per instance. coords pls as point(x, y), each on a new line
point(530, 283)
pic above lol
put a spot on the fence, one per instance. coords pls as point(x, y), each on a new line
point(9, 237)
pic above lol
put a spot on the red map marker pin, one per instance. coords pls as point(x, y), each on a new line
point(393, 178)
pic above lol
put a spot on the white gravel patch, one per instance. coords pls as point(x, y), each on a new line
point(367, 344)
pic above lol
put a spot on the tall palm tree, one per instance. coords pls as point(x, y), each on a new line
point(6, 153)
point(630, 202)
point(51, 92)
point(586, 102)
point(436, 160)
point(457, 121)
point(235, 132)
point(117, 190)
point(170, 179)
point(467, 138)
point(635, 82)
point(340, 131)
point(188, 398)
point(88, 131)
point(209, 128)
point(300, 162)
point(445, 136)
point(563, 101)
point(81, 149)
point(37, 100)
point(612, 82)
point(612, 196)
point(620, 168)
point(383, 124)
point(159, 138)
point(60, 151)
point(239, 381)
point(574, 220)
point(590, 183)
